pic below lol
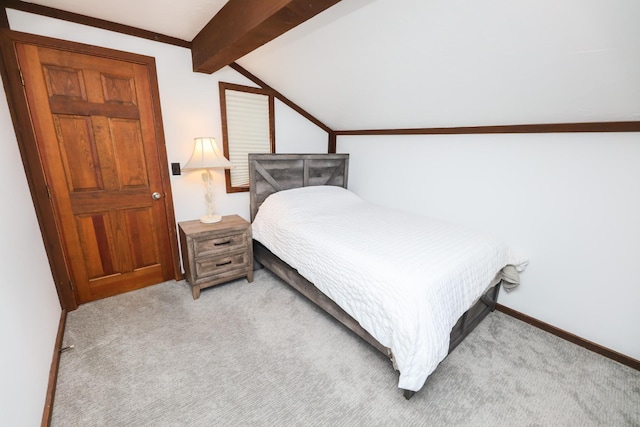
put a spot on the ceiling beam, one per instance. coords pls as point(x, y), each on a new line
point(244, 25)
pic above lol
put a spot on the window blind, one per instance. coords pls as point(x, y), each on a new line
point(248, 131)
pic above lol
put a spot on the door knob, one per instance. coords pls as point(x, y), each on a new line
point(156, 196)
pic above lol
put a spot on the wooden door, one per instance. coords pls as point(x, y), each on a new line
point(97, 137)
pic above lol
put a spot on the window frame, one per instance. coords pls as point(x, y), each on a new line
point(223, 87)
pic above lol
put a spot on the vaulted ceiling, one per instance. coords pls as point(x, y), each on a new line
point(376, 64)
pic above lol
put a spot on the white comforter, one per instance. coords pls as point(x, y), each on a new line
point(405, 278)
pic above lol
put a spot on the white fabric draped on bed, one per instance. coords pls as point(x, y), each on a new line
point(405, 278)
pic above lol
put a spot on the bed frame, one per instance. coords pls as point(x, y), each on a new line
point(270, 173)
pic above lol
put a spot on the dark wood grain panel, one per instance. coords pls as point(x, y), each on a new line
point(95, 237)
point(106, 154)
point(78, 152)
point(129, 153)
point(143, 241)
point(118, 89)
point(64, 82)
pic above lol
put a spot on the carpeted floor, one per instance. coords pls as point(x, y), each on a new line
point(260, 354)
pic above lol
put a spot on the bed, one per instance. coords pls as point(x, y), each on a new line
point(319, 238)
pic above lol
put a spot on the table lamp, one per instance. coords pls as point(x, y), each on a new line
point(206, 156)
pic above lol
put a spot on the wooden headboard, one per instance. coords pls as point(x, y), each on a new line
point(270, 173)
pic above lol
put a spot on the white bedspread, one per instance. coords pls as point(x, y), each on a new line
point(405, 278)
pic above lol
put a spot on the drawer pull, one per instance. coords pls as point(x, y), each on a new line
point(222, 243)
point(223, 263)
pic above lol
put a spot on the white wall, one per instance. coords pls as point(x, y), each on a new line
point(28, 302)
point(295, 134)
point(29, 307)
point(569, 202)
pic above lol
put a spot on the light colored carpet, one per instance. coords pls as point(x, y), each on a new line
point(260, 354)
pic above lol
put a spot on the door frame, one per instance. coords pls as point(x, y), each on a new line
point(34, 170)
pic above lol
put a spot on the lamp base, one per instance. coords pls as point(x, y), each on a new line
point(210, 219)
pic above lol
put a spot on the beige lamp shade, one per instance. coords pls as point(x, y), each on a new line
point(206, 155)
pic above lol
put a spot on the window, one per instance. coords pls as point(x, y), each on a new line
point(248, 126)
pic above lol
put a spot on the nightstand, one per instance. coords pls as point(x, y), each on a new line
point(216, 253)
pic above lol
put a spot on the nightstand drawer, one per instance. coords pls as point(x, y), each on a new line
point(205, 246)
point(219, 265)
